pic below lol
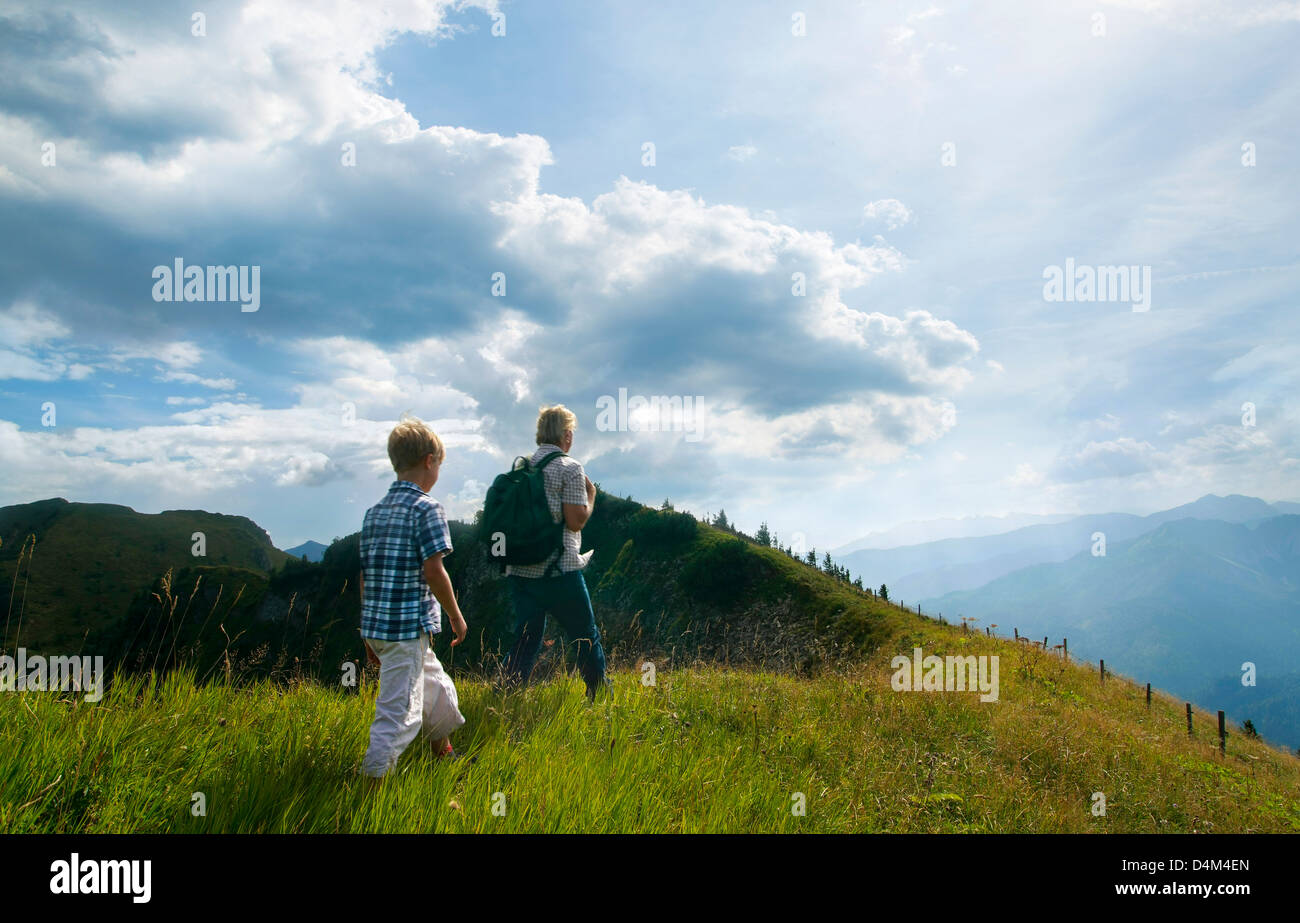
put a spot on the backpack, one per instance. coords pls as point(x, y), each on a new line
point(517, 526)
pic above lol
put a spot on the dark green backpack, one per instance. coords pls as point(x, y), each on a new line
point(517, 526)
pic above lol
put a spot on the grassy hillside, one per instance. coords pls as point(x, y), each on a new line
point(662, 584)
point(704, 749)
point(73, 568)
point(772, 681)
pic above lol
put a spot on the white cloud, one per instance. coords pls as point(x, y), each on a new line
point(23, 324)
point(1025, 475)
point(891, 211)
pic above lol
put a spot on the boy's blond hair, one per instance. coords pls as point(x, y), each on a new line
point(410, 441)
point(553, 422)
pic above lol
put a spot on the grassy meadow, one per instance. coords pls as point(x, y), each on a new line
point(704, 749)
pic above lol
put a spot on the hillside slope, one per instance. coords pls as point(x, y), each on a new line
point(90, 559)
point(662, 585)
point(1183, 606)
point(811, 718)
point(703, 749)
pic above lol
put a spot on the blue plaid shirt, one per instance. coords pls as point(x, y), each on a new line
point(399, 534)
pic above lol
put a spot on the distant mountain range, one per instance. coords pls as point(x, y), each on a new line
point(1183, 606)
point(933, 530)
point(933, 569)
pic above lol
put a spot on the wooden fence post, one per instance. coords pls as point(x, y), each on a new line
point(1017, 631)
point(1189, 719)
point(1148, 695)
point(1065, 648)
point(1103, 671)
point(1044, 643)
point(1223, 735)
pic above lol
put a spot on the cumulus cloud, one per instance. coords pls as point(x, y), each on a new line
point(377, 278)
point(892, 212)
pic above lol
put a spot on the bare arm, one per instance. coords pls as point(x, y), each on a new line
point(576, 515)
point(361, 590)
point(435, 574)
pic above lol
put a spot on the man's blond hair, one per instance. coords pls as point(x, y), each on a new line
point(553, 422)
point(410, 441)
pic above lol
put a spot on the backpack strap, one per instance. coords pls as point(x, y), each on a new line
point(554, 563)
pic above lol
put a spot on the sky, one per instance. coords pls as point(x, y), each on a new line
point(827, 233)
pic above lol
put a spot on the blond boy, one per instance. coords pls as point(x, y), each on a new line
point(404, 588)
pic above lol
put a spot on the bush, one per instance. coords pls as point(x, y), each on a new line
point(722, 572)
point(659, 528)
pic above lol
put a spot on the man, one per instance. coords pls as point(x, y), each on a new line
point(556, 585)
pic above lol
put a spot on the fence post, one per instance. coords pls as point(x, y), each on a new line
point(1044, 644)
point(1223, 735)
point(1065, 648)
point(1017, 631)
point(1189, 719)
point(1148, 695)
point(1103, 671)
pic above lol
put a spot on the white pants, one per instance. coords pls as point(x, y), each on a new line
point(416, 696)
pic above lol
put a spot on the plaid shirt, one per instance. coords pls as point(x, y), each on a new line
point(399, 534)
point(566, 482)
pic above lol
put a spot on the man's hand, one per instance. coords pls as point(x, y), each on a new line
point(458, 628)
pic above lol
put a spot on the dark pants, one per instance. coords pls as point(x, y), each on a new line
point(565, 597)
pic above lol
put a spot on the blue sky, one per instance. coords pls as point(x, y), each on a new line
point(918, 165)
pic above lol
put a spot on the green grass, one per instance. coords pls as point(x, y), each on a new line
point(706, 749)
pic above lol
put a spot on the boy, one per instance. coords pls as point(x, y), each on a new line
point(403, 581)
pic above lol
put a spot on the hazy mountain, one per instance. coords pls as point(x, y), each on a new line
point(1182, 606)
point(312, 551)
point(933, 530)
point(919, 572)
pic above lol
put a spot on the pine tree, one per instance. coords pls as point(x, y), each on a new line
point(762, 536)
point(884, 592)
